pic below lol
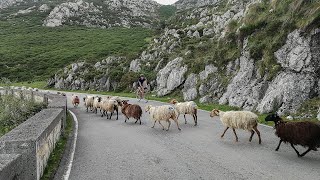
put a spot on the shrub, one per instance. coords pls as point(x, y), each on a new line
point(14, 111)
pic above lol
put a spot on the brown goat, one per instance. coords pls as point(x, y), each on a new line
point(131, 110)
point(306, 134)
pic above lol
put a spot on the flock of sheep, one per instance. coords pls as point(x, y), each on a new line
point(304, 133)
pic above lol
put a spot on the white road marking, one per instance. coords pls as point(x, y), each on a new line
point(67, 173)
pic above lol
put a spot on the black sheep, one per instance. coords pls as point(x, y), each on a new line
point(306, 134)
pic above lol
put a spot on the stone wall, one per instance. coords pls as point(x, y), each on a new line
point(25, 150)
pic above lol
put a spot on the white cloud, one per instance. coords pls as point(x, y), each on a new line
point(166, 2)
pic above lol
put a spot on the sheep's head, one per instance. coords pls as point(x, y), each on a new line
point(273, 117)
point(124, 102)
point(214, 112)
point(147, 108)
point(84, 99)
point(99, 99)
point(173, 101)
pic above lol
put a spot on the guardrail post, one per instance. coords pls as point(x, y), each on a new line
point(45, 99)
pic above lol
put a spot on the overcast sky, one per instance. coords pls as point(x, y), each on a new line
point(166, 1)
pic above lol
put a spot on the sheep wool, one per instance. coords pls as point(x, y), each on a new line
point(131, 110)
point(184, 108)
point(245, 120)
point(109, 105)
point(304, 133)
point(96, 104)
point(163, 113)
point(88, 102)
point(75, 100)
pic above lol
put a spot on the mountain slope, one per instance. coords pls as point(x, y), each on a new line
point(188, 4)
point(90, 13)
point(27, 44)
point(257, 55)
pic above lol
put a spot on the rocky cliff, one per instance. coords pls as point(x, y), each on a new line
point(110, 13)
point(90, 13)
point(188, 4)
point(227, 53)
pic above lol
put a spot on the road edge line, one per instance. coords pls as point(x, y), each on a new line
point(69, 167)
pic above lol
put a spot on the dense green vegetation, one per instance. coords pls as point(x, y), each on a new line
point(167, 11)
point(36, 52)
point(57, 154)
point(14, 111)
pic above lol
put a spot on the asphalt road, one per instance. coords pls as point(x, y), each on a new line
point(113, 149)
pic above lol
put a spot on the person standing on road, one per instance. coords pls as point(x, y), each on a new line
point(142, 86)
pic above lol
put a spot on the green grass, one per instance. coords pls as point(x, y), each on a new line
point(167, 11)
point(33, 84)
point(33, 52)
point(57, 154)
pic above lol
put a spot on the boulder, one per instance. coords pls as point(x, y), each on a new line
point(209, 69)
point(286, 93)
point(295, 54)
point(190, 88)
point(135, 65)
point(171, 76)
point(196, 34)
point(44, 8)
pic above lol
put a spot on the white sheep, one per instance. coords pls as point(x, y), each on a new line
point(245, 120)
point(184, 108)
point(96, 104)
point(88, 102)
point(109, 105)
point(163, 113)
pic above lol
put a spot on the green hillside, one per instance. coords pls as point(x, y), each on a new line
point(37, 52)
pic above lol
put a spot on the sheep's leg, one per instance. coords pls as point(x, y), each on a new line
point(161, 125)
point(117, 114)
point(295, 150)
point(126, 118)
point(140, 120)
point(279, 145)
point(154, 124)
point(169, 123)
point(252, 133)
point(305, 152)
point(234, 131)
point(185, 120)
point(258, 132)
point(224, 132)
point(177, 124)
point(195, 117)
point(87, 108)
point(136, 121)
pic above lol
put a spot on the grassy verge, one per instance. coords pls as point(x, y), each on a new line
point(56, 155)
point(36, 84)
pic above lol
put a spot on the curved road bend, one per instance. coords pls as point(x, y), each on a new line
point(110, 149)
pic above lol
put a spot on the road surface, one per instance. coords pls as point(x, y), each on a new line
point(113, 149)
